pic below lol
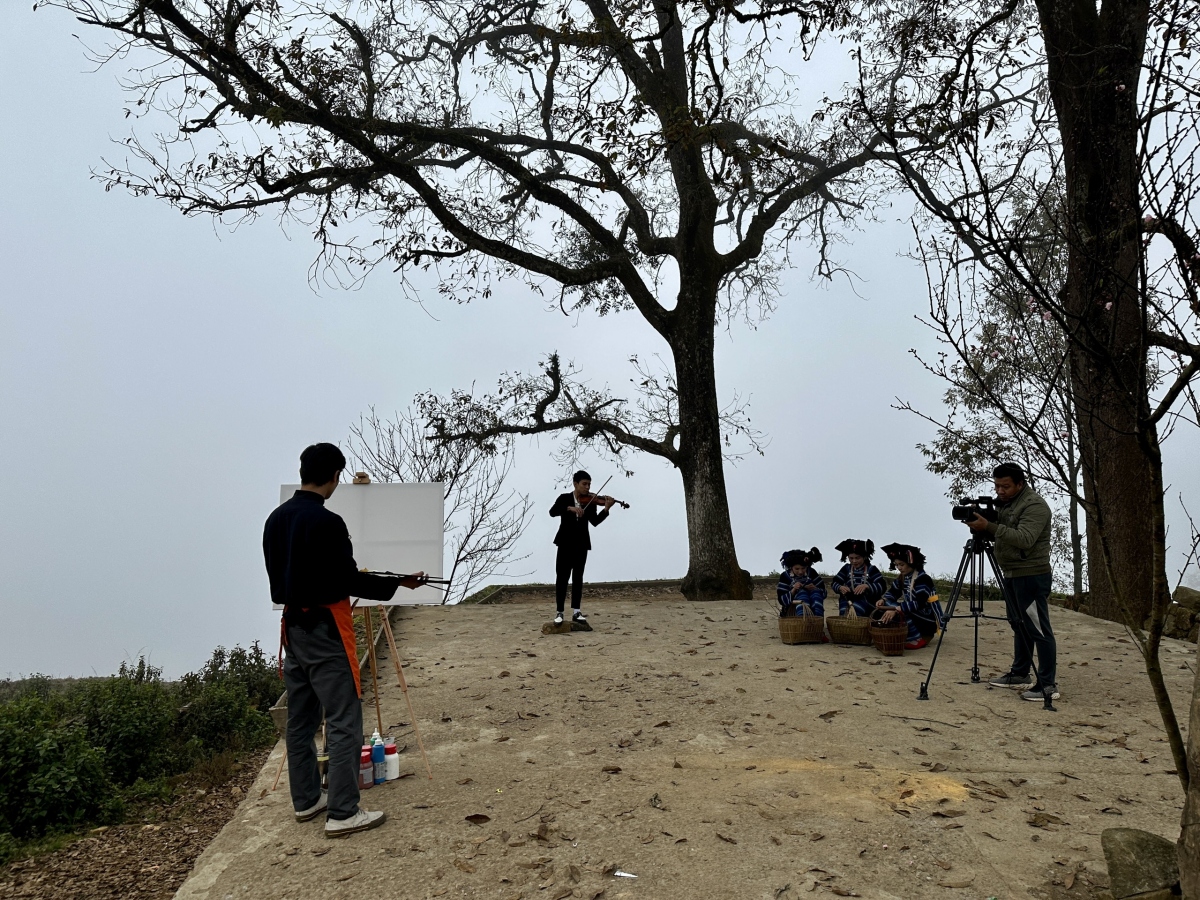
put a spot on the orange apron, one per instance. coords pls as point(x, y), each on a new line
point(343, 617)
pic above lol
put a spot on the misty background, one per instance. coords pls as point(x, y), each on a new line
point(159, 377)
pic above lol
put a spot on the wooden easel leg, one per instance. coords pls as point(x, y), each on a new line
point(391, 639)
point(374, 671)
point(282, 763)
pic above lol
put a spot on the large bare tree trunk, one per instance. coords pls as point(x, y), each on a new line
point(1094, 58)
point(713, 570)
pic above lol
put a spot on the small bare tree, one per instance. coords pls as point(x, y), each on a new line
point(1009, 394)
point(484, 518)
point(557, 400)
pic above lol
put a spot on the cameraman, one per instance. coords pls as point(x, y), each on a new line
point(1022, 536)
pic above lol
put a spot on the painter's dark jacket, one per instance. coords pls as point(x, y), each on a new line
point(310, 560)
point(572, 529)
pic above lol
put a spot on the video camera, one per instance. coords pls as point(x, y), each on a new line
point(969, 507)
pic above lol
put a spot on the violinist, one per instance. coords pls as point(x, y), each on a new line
point(576, 510)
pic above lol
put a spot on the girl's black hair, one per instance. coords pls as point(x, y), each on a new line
point(800, 558)
point(854, 545)
point(907, 552)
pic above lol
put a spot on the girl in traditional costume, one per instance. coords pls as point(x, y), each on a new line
point(858, 581)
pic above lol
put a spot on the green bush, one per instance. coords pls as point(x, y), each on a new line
point(220, 717)
point(252, 669)
point(52, 777)
point(71, 752)
point(131, 716)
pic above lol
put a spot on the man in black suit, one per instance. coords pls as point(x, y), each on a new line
point(574, 541)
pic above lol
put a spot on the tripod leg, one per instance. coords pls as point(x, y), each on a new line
point(976, 611)
point(955, 591)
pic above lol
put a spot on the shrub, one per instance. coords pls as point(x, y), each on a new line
point(251, 668)
point(220, 717)
point(52, 778)
point(131, 716)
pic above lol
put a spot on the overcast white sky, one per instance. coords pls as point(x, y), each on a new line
point(159, 377)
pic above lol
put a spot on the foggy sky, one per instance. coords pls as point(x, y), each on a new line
point(160, 375)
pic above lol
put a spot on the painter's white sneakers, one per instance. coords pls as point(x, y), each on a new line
point(305, 815)
point(363, 820)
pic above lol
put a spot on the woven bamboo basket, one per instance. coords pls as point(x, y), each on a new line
point(806, 628)
point(888, 639)
point(850, 628)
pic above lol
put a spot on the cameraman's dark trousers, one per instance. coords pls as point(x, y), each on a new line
point(1026, 601)
point(320, 673)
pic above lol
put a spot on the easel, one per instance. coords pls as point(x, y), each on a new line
point(386, 627)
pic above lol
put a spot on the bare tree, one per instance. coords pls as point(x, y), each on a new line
point(1110, 111)
point(484, 519)
point(610, 152)
point(1008, 378)
point(557, 400)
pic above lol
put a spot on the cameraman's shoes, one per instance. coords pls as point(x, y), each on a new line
point(1036, 694)
point(1009, 680)
point(558, 618)
point(363, 820)
point(579, 617)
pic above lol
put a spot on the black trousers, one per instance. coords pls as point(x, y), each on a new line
point(1028, 609)
point(318, 677)
point(569, 565)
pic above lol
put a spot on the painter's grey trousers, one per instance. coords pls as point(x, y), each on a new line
point(317, 674)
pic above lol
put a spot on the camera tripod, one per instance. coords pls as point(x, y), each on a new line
point(970, 575)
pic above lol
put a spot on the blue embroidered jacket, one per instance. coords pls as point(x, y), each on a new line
point(913, 595)
point(809, 595)
point(852, 578)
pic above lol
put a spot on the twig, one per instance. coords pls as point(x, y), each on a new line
point(915, 719)
point(532, 814)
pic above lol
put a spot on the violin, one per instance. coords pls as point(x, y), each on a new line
point(586, 499)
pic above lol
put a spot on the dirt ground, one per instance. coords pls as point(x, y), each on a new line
point(684, 744)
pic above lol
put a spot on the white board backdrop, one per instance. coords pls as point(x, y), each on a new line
point(394, 528)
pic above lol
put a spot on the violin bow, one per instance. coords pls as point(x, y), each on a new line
point(596, 494)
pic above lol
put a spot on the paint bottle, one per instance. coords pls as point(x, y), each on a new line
point(377, 761)
point(391, 760)
point(366, 769)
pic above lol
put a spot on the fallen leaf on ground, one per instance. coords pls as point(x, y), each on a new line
point(957, 884)
point(727, 840)
point(478, 819)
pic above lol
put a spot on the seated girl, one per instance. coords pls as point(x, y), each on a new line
point(858, 581)
point(800, 584)
point(912, 598)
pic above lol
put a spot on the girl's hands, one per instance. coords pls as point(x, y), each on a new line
point(861, 589)
point(843, 589)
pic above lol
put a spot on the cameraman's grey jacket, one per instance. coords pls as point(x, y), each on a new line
point(1023, 535)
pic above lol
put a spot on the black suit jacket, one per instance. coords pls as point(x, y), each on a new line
point(573, 531)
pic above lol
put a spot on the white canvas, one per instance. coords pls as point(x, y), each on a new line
point(394, 528)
